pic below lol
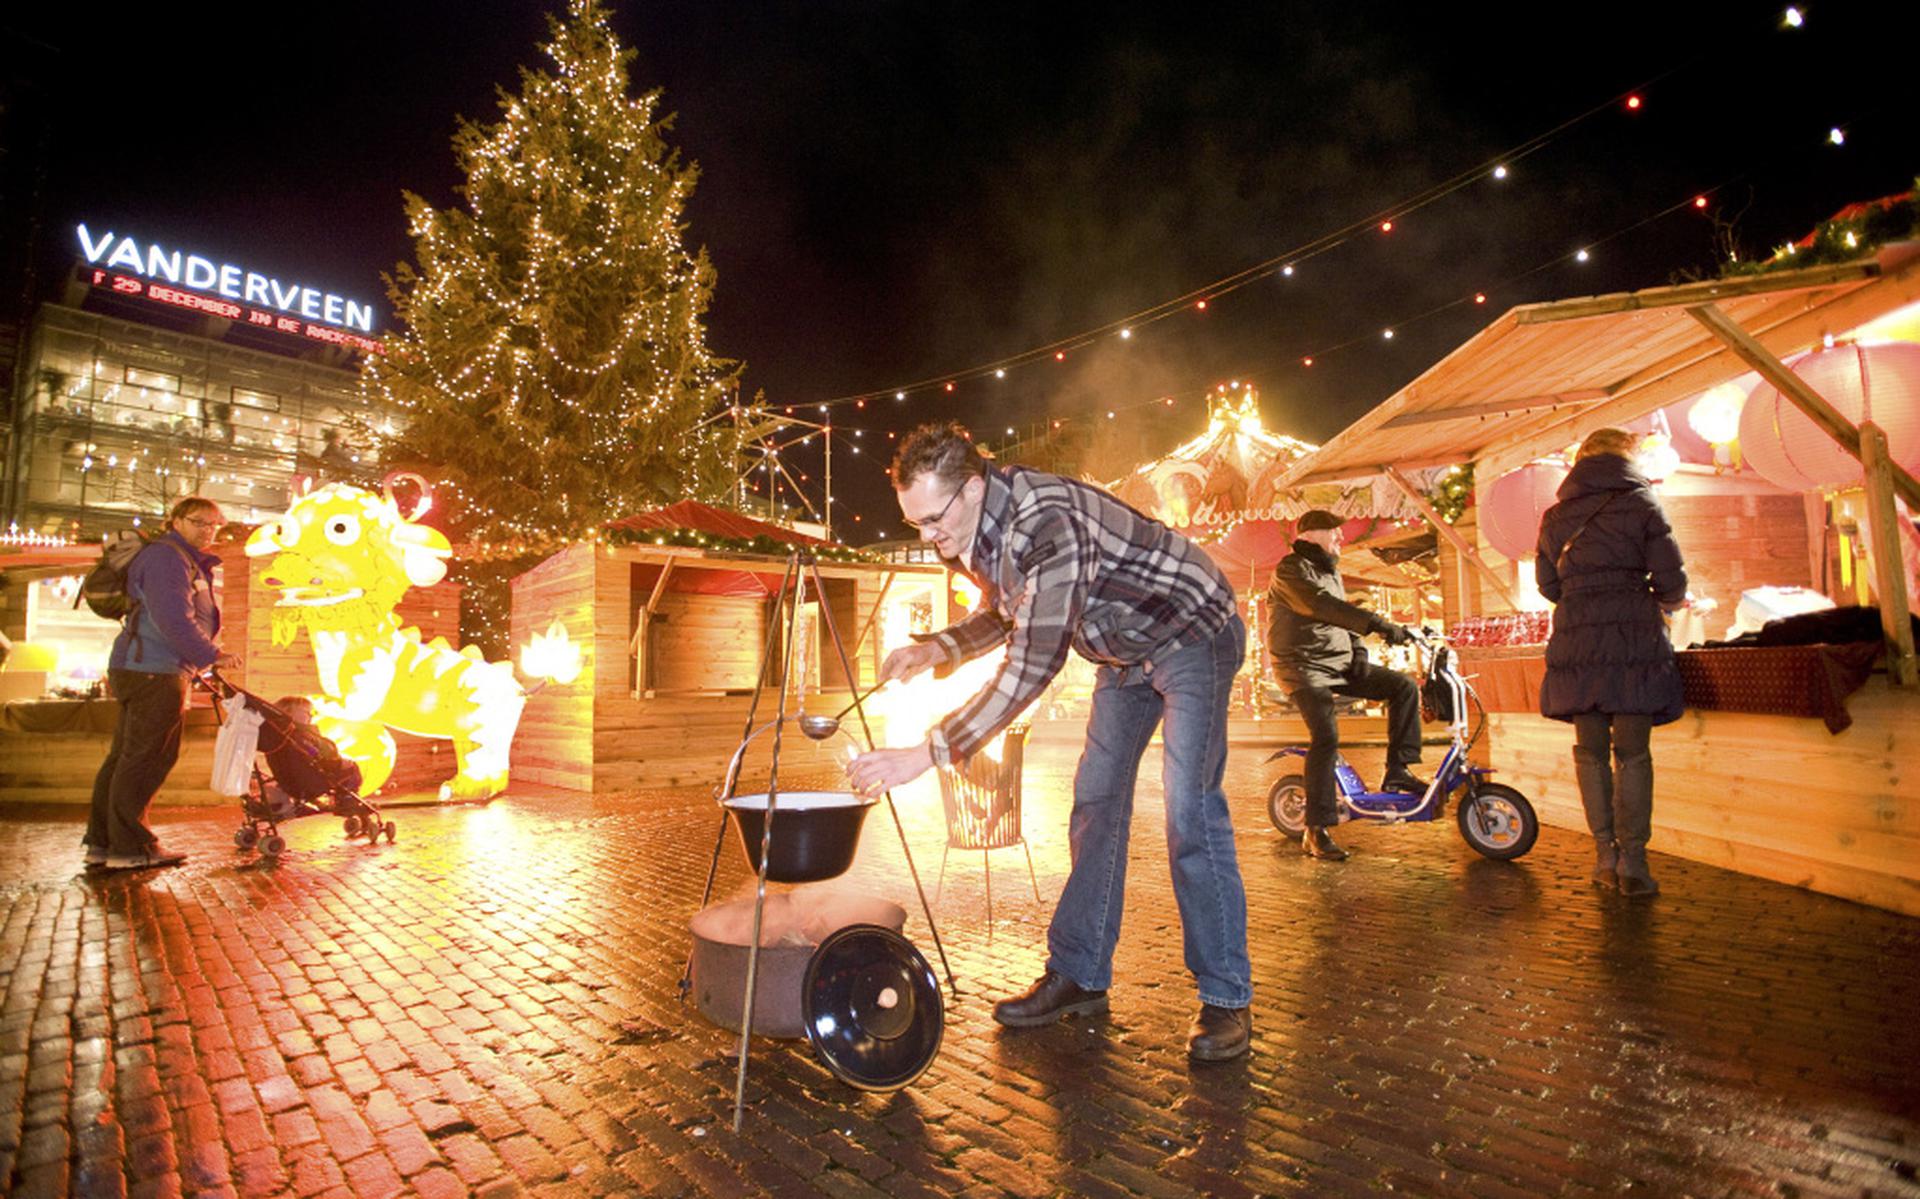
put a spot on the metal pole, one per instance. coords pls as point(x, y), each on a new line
point(766, 847)
point(732, 777)
point(826, 612)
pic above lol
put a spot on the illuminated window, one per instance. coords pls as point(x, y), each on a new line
point(152, 380)
point(256, 399)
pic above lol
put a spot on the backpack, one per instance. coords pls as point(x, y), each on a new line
point(1436, 697)
point(104, 590)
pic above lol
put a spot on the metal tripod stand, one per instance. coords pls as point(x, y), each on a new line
point(800, 566)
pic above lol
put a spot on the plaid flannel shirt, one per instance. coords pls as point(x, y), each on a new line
point(1064, 565)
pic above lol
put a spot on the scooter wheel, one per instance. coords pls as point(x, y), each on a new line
point(1498, 821)
point(1287, 804)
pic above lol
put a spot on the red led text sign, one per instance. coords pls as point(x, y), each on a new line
point(127, 285)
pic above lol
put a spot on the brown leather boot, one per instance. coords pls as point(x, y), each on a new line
point(1220, 1034)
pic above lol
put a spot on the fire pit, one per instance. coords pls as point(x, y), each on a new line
point(793, 925)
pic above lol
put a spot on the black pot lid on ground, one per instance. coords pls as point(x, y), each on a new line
point(872, 1008)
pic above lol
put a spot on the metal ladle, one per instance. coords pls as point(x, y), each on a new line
point(819, 728)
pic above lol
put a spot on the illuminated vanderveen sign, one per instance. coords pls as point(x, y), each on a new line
point(119, 252)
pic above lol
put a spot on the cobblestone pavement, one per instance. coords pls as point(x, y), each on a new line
point(489, 1006)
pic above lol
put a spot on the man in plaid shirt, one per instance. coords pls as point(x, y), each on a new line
point(1061, 566)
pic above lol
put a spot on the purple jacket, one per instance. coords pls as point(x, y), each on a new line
point(179, 613)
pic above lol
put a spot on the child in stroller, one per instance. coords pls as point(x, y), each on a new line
point(304, 775)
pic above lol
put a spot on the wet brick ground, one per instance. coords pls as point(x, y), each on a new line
point(488, 1007)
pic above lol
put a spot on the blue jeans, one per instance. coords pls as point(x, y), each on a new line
point(1191, 688)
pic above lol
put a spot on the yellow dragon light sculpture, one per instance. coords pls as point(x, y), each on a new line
point(341, 559)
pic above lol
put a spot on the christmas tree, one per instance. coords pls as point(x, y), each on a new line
point(552, 370)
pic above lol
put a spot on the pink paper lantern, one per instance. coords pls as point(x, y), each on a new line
point(1511, 507)
point(1880, 383)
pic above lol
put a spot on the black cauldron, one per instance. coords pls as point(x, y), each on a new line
point(814, 832)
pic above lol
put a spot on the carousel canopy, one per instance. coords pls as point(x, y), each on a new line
point(1542, 376)
point(1222, 489)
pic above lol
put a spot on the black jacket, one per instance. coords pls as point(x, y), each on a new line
point(1311, 627)
point(1609, 650)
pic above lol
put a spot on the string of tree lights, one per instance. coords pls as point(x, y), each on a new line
point(1849, 234)
point(1497, 169)
point(552, 368)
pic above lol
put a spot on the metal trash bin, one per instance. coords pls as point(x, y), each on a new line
point(981, 798)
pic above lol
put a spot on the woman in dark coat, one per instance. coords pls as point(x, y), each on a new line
point(1608, 562)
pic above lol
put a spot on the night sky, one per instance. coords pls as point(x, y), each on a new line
point(901, 192)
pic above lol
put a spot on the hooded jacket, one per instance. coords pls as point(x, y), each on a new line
point(179, 614)
point(1609, 650)
point(1311, 628)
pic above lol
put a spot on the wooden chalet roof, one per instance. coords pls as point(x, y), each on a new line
point(1542, 376)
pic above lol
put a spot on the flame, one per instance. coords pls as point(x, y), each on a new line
point(911, 709)
point(552, 655)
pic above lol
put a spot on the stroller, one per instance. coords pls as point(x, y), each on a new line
point(303, 775)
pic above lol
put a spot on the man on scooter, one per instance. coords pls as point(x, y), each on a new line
point(1314, 637)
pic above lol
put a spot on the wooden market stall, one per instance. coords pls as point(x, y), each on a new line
point(673, 638)
point(1823, 798)
point(54, 734)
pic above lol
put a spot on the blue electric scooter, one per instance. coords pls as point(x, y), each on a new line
point(1496, 820)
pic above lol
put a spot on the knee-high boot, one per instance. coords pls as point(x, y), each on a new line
point(1633, 822)
point(1596, 796)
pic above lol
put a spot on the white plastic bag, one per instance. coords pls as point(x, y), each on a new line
point(233, 749)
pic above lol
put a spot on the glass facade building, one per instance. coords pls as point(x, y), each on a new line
point(118, 419)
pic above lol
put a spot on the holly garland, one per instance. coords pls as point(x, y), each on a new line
point(769, 546)
point(1857, 232)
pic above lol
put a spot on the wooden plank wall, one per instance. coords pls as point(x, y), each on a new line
point(60, 767)
point(707, 642)
point(1773, 796)
point(1733, 542)
point(686, 740)
point(1461, 586)
point(554, 743)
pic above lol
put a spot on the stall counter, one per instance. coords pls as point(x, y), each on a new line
point(1767, 794)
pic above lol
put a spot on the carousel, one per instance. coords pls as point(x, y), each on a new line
point(1225, 490)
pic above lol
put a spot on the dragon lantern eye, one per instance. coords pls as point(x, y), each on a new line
point(343, 530)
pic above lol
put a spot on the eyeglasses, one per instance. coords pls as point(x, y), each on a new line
point(937, 517)
point(203, 522)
